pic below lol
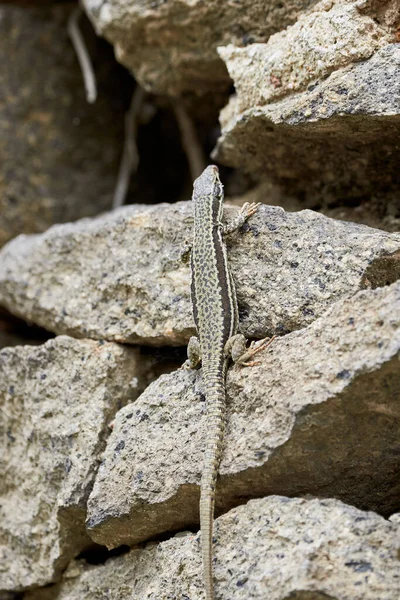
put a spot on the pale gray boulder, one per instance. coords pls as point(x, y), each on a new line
point(124, 276)
point(331, 36)
point(319, 415)
point(276, 548)
point(334, 141)
point(171, 47)
point(57, 402)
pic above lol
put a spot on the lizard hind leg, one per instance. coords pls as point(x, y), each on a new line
point(194, 354)
point(236, 347)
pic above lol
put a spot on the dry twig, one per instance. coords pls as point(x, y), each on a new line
point(190, 141)
point(130, 155)
point(82, 55)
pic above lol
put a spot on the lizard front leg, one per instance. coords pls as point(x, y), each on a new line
point(247, 210)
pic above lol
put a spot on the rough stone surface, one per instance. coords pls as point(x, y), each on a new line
point(395, 518)
point(124, 276)
point(371, 212)
point(319, 416)
point(57, 402)
point(317, 44)
point(337, 141)
point(59, 155)
point(171, 47)
point(276, 548)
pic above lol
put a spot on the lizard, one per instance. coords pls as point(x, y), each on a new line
point(215, 312)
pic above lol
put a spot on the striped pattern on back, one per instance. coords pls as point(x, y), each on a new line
point(213, 293)
point(215, 313)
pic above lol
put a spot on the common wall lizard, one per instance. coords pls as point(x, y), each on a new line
point(215, 313)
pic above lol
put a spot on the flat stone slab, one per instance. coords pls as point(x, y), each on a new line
point(57, 401)
point(331, 36)
point(124, 276)
point(334, 141)
point(319, 416)
point(173, 51)
point(276, 548)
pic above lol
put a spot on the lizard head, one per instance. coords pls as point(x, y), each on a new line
point(209, 184)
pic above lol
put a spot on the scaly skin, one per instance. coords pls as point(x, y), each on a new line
point(216, 317)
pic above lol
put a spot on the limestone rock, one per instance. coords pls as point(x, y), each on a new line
point(124, 277)
point(57, 402)
point(276, 548)
point(319, 416)
point(59, 155)
point(171, 47)
point(336, 139)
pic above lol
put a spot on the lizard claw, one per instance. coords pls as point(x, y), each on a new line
point(252, 363)
point(253, 349)
point(250, 208)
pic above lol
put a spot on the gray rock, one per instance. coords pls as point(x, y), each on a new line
point(57, 403)
point(171, 47)
point(319, 416)
point(306, 52)
point(276, 548)
point(59, 155)
point(395, 518)
point(123, 276)
point(370, 212)
point(335, 140)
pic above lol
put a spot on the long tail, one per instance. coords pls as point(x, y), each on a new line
point(215, 394)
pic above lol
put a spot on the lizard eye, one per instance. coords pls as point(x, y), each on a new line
point(219, 189)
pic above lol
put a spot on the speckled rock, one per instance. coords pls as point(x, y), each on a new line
point(395, 518)
point(307, 51)
point(57, 402)
point(124, 276)
point(320, 416)
point(333, 141)
point(171, 46)
point(372, 212)
point(276, 548)
point(59, 155)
